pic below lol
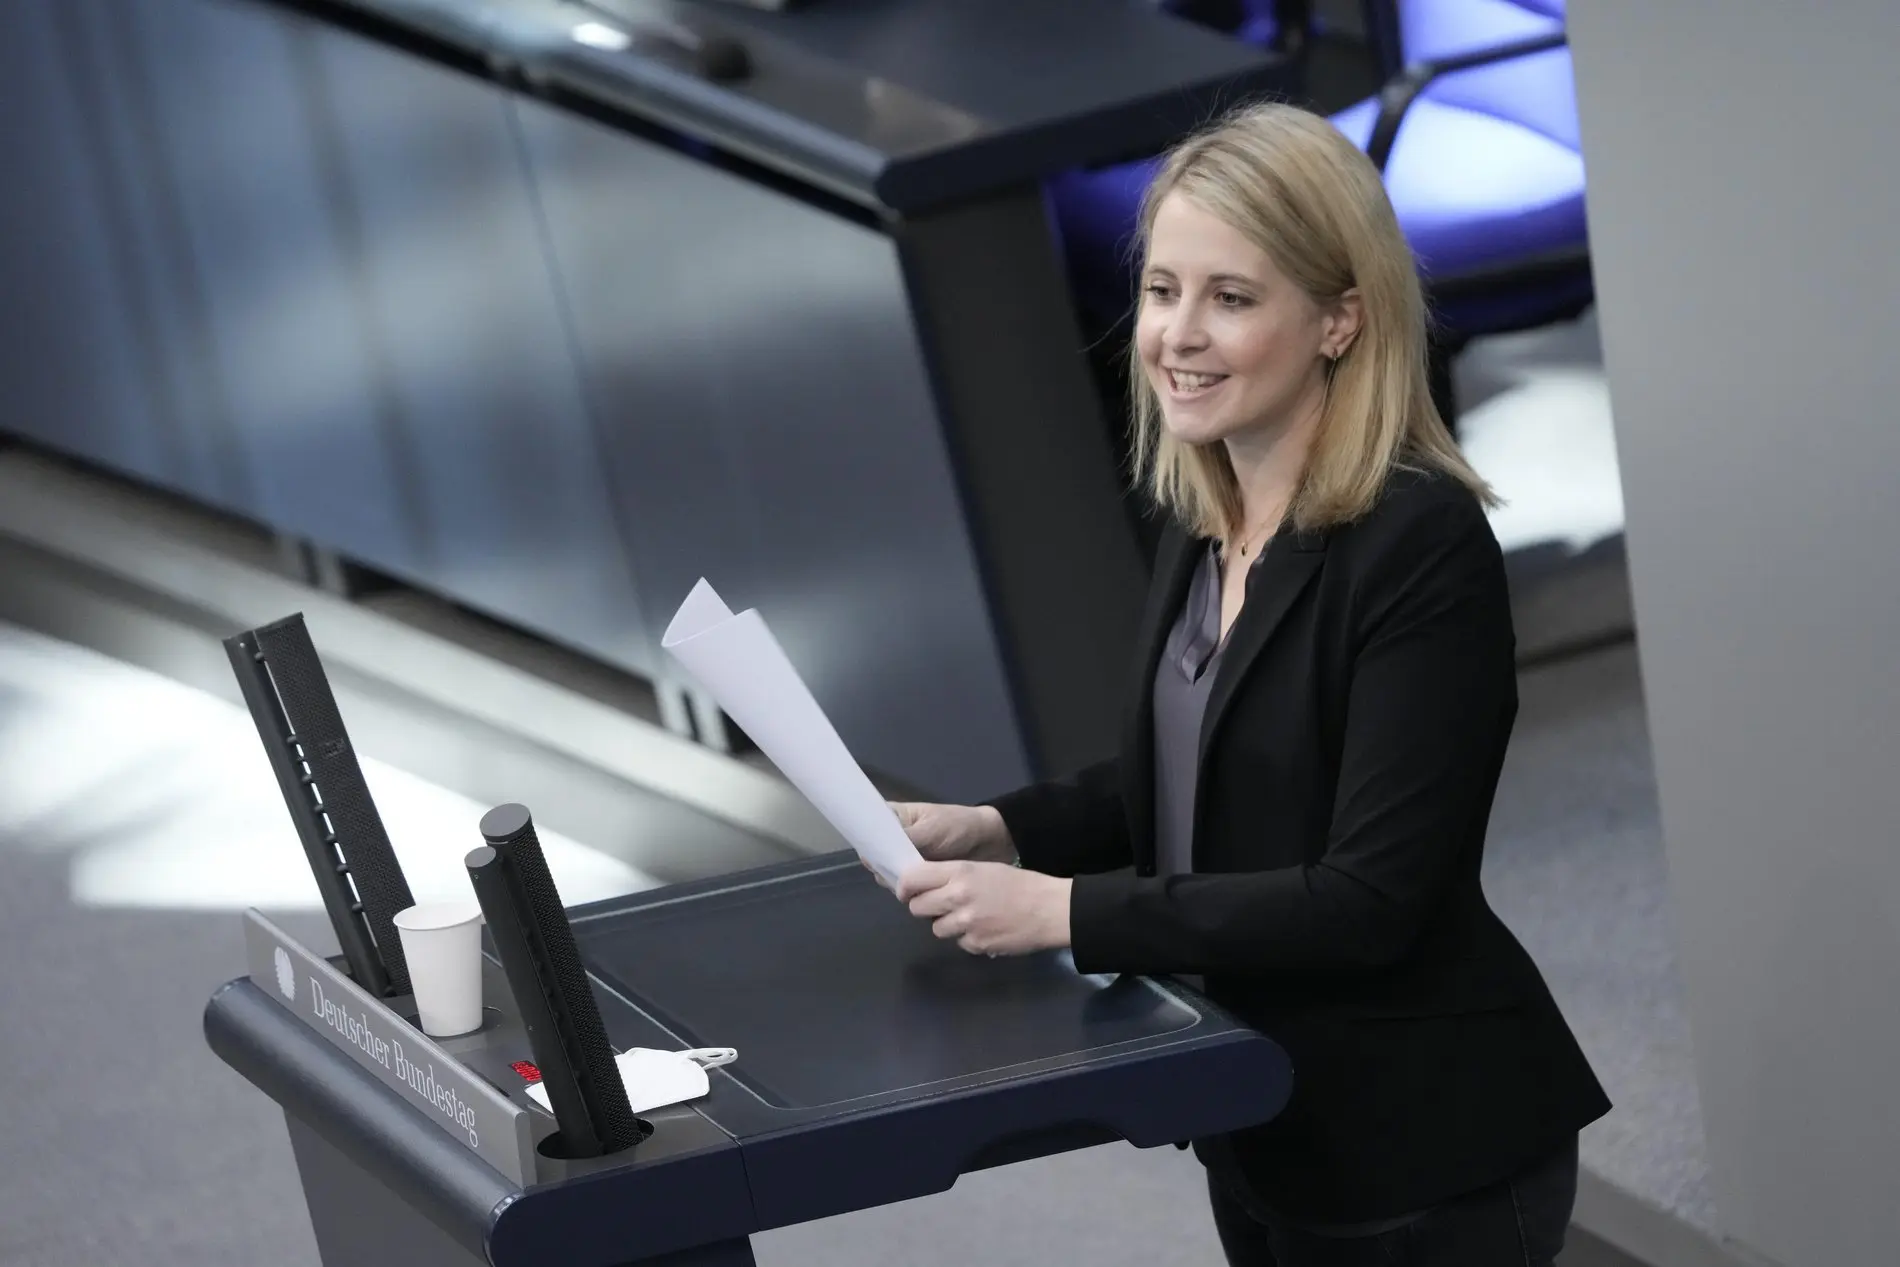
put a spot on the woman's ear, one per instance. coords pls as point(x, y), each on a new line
point(1342, 322)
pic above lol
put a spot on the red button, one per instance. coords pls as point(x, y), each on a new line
point(527, 1071)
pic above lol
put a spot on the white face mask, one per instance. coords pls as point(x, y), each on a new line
point(655, 1079)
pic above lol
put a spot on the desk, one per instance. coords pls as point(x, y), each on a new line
point(553, 330)
point(876, 1064)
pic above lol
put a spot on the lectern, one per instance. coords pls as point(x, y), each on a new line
point(876, 1064)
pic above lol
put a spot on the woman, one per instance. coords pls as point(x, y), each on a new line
point(1321, 704)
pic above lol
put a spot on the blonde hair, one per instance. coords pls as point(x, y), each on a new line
point(1298, 189)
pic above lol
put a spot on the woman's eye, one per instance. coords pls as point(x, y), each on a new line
point(1228, 299)
point(1157, 290)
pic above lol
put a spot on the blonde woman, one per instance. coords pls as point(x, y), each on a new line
point(1323, 696)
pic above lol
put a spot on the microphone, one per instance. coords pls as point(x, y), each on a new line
point(717, 57)
point(535, 944)
point(358, 876)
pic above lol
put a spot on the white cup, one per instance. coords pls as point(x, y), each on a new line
point(442, 942)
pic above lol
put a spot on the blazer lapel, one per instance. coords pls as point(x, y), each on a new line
point(1175, 561)
point(1290, 564)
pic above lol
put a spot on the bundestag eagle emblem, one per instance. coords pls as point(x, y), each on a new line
point(286, 975)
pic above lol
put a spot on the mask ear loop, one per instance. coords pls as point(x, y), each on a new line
point(711, 1057)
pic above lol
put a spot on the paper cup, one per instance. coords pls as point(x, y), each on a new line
point(442, 942)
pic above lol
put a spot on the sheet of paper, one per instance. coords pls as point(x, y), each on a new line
point(741, 665)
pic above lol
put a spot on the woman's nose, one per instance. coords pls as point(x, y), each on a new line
point(1184, 332)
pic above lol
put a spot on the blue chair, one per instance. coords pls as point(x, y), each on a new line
point(1476, 132)
point(1477, 137)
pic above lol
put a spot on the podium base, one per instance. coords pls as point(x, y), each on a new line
point(359, 1222)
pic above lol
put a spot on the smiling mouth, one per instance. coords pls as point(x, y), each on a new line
point(1184, 383)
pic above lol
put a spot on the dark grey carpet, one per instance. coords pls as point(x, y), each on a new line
point(1576, 866)
point(127, 1141)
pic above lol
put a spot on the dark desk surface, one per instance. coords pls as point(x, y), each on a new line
point(1010, 63)
point(838, 996)
point(898, 104)
point(876, 1064)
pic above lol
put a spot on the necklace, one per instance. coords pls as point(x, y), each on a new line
point(1245, 540)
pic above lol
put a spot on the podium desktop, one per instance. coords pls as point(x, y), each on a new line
point(876, 1064)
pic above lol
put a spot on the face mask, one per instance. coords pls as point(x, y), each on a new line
point(655, 1079)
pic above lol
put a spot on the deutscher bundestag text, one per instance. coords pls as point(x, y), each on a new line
point(356, 1030)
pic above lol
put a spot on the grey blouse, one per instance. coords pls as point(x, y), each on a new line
point(1183, 680)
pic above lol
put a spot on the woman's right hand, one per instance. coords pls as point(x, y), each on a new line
point(944, 833)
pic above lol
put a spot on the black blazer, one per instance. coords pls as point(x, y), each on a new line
point(1349, 754)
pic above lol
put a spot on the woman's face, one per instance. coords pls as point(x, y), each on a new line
point(1231, 347)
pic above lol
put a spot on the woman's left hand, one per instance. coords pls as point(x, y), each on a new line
point(989, 908)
